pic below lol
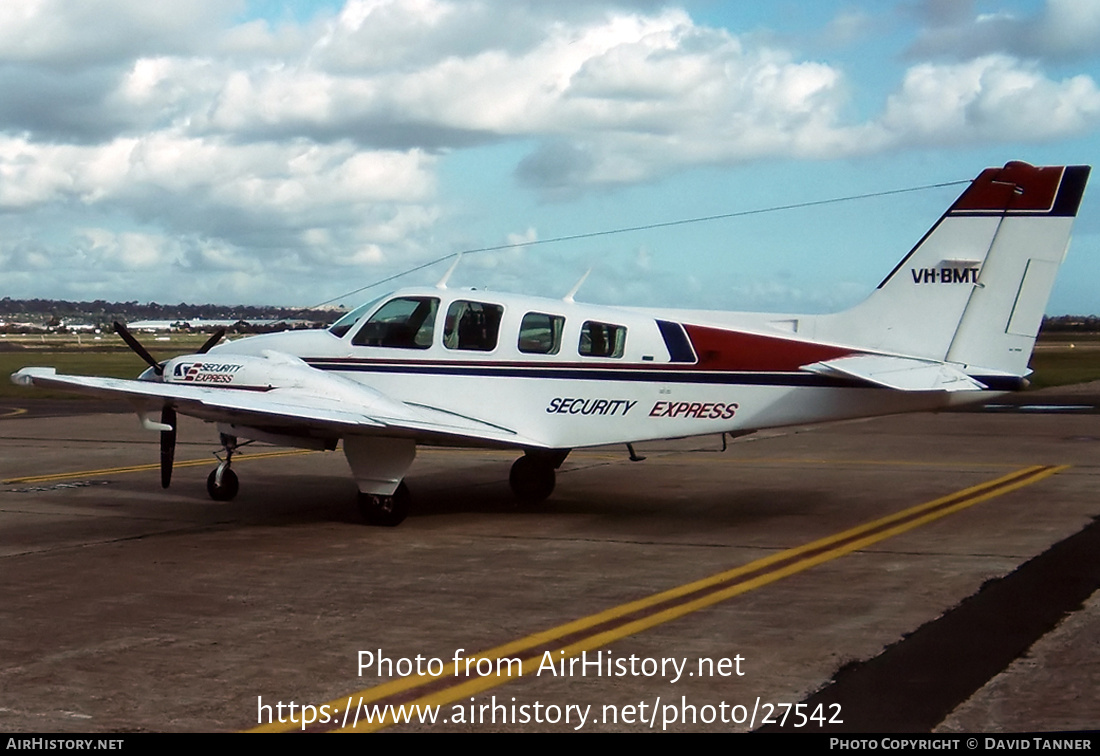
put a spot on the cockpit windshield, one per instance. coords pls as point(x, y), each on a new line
point(404, 323)
point(344, 324)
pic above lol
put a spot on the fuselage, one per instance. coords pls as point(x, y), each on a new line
point(564, 374)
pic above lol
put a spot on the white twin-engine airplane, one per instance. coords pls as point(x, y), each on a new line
point(954, 322)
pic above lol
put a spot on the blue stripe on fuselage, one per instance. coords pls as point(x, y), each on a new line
point(629, 373)
point(590, 373)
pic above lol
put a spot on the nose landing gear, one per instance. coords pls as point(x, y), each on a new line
point(222, 484)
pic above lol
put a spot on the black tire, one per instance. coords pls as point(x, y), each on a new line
point(531, 479)
point(386, 511)
point(227, 490)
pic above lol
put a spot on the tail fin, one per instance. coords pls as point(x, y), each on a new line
point(973, 290)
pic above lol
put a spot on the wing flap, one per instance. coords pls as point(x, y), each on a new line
point(900, 373)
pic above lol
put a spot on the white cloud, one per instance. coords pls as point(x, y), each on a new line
point(276, 148)
point(991, 98)
point(611, 98)
point(1069, 28)
point(280, 213)
point(528, 236)
point(290, 179)
point(1062, 29)
point(64, 33)
point(638, 94)
point(111, 250)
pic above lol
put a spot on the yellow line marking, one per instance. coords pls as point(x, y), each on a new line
point(14, 411)
point(154, 466)
point(805, 556)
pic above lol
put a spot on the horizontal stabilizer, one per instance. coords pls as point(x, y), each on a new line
point(901, 373)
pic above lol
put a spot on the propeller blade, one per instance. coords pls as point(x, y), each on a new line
point(212, 341)
point(167, 446)
point(135, 345)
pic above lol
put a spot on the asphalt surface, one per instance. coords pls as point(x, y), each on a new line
point(915, 573)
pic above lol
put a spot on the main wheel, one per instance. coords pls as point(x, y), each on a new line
point(531, 479)
point(228, 488)
point(386, 511)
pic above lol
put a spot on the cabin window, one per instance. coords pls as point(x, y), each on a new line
point(404, 323)
point(540, 333)
point(472, 325)
point(602, 339)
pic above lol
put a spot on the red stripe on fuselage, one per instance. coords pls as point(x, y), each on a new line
point(719, 349)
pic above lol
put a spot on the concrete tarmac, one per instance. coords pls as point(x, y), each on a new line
point(126, 607)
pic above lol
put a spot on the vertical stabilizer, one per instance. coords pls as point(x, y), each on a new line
point(973, 290)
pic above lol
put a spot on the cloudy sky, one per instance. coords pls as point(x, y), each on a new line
point(290, 152)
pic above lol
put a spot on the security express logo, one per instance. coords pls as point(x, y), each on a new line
point(206, 372)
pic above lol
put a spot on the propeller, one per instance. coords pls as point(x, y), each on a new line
point(212, 341)
point(138, 349)
point(168, 412)
point(167, 445)
point(143, 353)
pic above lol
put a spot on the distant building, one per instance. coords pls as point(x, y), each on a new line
point(203, 324)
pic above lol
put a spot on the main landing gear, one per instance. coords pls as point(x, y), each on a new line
point(386, 511)
point(379, 464)
point(532, 477)
point(222, 485)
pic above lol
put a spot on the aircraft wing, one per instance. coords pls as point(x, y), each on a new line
point(901, 373)
point(350, 408)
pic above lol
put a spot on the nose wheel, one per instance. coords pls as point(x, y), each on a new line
point(222, 484)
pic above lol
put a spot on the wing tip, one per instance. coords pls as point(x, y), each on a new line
point(25, 376)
